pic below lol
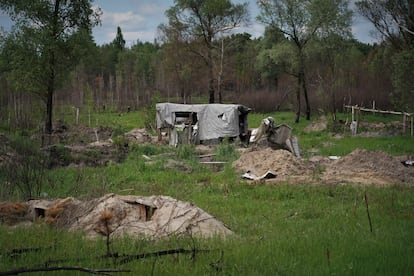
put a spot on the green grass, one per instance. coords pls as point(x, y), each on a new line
point(124, 120)
point(280, 229)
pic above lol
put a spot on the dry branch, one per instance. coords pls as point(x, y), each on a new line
point(369, 216)
point(66, 268)
point(128, 258)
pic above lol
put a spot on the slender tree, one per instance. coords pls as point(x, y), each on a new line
point(199, 23)
point(42, 45)
point(393, 19)
point(301, 21)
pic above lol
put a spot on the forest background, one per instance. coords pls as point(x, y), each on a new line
point(50, 64)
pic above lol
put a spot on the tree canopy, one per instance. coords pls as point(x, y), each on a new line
point(198, 24)
point(42, 47)
point(301, 21)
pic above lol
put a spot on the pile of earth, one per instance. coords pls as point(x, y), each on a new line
point(94, 146)
point(151, 217)
point(360, 166)
point(282, 162)
point(81, 146)
point(368, 167)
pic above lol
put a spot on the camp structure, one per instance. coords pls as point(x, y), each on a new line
point(198, 123)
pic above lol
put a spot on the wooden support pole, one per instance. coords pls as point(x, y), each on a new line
point(404, 122)
point(412, 116)
point(353, 113)
point(159, 135)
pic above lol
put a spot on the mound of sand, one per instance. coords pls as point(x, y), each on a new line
point(360, 166)
point(363, 166)
point(282, 162)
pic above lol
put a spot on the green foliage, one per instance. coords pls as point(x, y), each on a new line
point(226, 152)
point(61, 153)
point(186, 152)
point(403, 94)
point(45, 28)
point(24, 172)
point(150, 115)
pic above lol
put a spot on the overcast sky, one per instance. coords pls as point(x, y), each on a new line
point(139, 20)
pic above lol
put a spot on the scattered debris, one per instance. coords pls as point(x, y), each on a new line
point(408, 163)
point(267, 175)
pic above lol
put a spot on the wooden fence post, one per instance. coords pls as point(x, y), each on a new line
point(404, 121)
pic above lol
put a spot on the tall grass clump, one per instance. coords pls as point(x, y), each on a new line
point(226, 152)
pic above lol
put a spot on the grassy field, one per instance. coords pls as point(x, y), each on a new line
point(279, 229)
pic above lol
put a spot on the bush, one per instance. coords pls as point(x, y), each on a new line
point(25, 169)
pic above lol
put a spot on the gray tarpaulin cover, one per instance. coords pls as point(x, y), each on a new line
point(214, 120)
point(136, 216)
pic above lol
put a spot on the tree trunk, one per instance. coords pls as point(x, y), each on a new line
point(49, 111)
point(297, 101)
point(211, 77)
point(220, 74)
point(305, 93)
point(52, 65)
point(302, 81)
point(211, 91)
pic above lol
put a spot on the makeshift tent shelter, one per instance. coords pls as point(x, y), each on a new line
point(201, 122)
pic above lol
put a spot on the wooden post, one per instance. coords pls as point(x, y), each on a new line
point(353, 113)
point(358, 118)
point(412, 134)
point(404, 121)
point(159, 134)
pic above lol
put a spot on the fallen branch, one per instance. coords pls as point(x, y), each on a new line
point(66, 268)
point(18, 251)
point(366, 205)
point(128, 258)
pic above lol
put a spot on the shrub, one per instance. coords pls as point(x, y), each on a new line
point(25, 169)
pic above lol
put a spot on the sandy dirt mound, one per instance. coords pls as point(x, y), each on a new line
point(151, 217)
point(363, 166)
point(360, 166)
point(282, 162)
point(318, 125)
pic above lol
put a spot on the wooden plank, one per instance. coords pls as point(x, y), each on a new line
point(207, 155)
point(379, 111)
